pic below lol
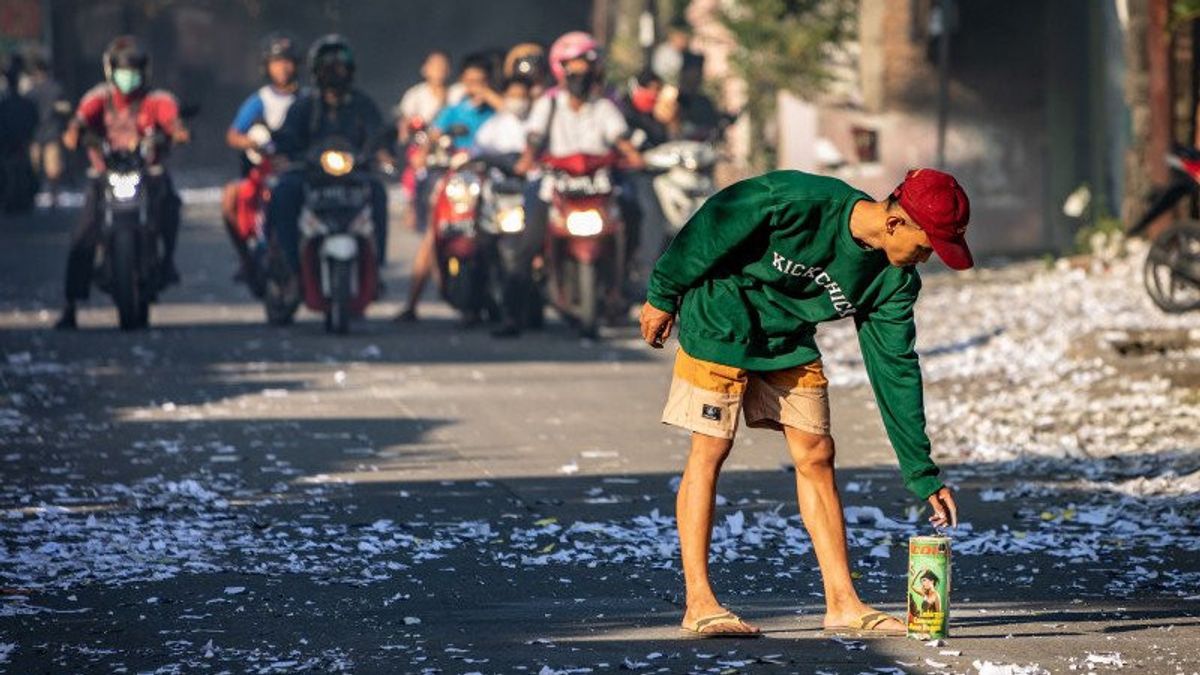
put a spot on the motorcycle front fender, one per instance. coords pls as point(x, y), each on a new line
point(339, 247)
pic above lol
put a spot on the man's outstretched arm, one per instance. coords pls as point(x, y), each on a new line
point(887, 336)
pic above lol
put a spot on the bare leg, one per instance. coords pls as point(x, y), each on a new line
point(694, 507)
point(821, 510)
point(421, 271)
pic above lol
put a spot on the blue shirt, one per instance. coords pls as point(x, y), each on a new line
point(267, 105)
point(467, 114)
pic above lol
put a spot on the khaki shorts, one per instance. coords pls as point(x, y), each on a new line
point(706, 397)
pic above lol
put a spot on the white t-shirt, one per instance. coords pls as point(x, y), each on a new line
point(592, 130)
point(420, 102)
point(504, 133)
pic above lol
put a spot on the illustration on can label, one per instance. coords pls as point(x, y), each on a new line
point(928, 586)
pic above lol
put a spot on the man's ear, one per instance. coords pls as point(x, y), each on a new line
point(893, 221)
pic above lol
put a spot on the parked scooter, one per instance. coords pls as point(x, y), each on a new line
point(585, 243)
point(1172, 270)
point(339, 276)
point(685, 180)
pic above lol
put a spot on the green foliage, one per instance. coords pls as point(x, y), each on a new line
point(1183, 11)
point(784, 45)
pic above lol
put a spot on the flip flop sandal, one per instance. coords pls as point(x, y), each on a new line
point(697, 628)
point(867, 625)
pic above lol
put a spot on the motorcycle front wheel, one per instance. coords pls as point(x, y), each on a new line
point(132, 307)
point(337, 317)
point(1172, 270)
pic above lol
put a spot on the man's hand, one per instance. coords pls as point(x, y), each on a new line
point(181, 135)
point(945, 512)
point(656, 325)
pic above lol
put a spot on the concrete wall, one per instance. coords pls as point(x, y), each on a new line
point(1029, 113)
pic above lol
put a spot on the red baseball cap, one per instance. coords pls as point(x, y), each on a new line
point(940, 207)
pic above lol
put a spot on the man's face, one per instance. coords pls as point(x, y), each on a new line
point(281, 71)
point(904, 242)
point(576, 66)
point(436, 69)
point(474, 81)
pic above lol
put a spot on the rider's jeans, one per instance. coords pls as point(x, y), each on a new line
point(164, 207)
point(283, 216)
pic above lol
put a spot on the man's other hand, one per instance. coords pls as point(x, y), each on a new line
point(656, 325)
point(945, 512)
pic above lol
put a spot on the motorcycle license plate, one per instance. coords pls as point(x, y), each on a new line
point(337, 196)
point(599, 183)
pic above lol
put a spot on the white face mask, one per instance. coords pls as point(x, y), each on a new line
point(517, 106)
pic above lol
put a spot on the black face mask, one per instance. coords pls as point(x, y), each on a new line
point(580, 84)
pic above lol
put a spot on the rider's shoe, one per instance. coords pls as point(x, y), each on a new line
point(407, 316)
point(508, 330)
point(66, 320)
point(169, 275)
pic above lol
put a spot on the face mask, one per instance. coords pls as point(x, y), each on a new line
point(517, 106)
point(643, 99)
point(127, 80)
point(580, 84)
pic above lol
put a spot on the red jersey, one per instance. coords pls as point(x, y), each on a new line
point(124, 120)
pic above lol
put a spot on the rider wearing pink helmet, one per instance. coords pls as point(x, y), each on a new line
point(570, 46)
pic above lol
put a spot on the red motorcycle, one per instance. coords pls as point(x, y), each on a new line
point(1172, 271)
point(585, 242)
point(250, 208)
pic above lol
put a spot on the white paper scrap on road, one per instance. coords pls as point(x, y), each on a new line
point(989, 668)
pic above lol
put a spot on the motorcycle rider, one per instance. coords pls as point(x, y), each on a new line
point(526, 63)
point(268, 106)
point(332, 108)
point(53, 111)
point(18, 124)
point(574, 119)
point(477, 106)
point(122, 110)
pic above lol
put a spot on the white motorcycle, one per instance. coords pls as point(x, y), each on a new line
point(684, 180)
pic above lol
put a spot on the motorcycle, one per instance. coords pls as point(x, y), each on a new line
point(128, 257)
point(1171, 273)
point(502, 221)
point(339, 276)
point(585, 242)
point(684, 180)
point(458, 245)
point(252, 195)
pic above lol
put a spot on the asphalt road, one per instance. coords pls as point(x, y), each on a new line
point(214, 495)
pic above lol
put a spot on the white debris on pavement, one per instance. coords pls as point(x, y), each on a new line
point(989, 668)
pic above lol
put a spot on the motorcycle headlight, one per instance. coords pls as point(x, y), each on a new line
point(124, 185)
point(336, 162)
point(585, 223)
point(461, 191)
point(512, 220)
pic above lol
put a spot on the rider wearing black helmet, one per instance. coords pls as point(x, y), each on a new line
point(265, 108)
point(331, 108)
point(122, 111)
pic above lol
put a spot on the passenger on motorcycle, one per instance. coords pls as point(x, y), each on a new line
point(122, 110)
point(526, 63)
point(332, 108)
point(266, 107)
point(574, 119)
point(478, 105)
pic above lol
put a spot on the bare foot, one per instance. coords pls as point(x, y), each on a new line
point(732, 624)
point(850, 616)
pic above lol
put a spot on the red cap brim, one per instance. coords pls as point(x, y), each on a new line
point(953, 252)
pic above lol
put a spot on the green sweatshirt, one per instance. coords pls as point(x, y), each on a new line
point(767, 259)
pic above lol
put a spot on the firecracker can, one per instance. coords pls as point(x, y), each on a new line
point(928, 589)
